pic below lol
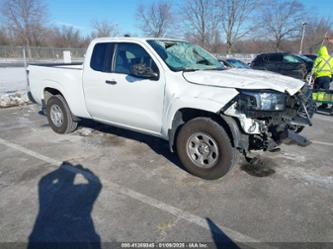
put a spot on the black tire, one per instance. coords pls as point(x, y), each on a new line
point(227, 155)
point(68, 125)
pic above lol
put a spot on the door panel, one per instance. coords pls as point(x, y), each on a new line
point(120, 98)
point(94, 77)
point(136, 102)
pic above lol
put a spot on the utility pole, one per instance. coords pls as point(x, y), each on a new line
point(302, 39)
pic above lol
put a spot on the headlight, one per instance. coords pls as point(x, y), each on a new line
point(262, 101)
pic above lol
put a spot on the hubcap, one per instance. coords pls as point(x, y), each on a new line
point(202, 149)
point(56, 115)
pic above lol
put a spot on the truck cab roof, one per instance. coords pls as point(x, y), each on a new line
point(131, 39)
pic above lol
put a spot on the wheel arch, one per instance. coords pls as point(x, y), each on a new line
point(184, 115)
point(48, 92)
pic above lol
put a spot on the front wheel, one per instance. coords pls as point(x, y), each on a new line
point(205, 149)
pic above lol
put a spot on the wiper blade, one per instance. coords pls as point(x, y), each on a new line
point(186, 69)
point(216, 69)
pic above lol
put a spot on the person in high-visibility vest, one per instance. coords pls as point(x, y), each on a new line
point(322, 70)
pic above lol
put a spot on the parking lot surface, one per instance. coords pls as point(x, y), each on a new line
point(105, 184)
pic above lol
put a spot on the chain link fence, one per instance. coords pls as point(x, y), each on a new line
point(21, 56)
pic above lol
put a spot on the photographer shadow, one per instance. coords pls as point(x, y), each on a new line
point(220, 239)
point(66, 199)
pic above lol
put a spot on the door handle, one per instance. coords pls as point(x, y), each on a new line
point(111, 82)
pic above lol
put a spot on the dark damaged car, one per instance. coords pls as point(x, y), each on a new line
point(282, 63)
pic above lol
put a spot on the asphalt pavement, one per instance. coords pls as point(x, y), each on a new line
point(107, 185)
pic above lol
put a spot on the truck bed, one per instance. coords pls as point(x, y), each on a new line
point(60, 65)
point(66, 78)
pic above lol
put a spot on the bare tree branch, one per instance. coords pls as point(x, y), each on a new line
point(281, 20)
point(200, 21)
point(156, 19)
point(25, 19)
point(235, 16)
point(104, 29)
point(65, 37)
point(4, 36)
point(315, 32)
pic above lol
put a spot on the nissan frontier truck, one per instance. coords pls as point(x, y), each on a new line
point(179, 92)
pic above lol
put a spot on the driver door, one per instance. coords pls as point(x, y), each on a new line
point(127, 100)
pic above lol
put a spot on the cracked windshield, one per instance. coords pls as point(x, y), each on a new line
point(184, 56)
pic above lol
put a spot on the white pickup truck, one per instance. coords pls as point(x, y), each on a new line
point(179, 92)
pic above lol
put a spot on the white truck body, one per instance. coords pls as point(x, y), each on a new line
point(150, 106)
point(130, 106)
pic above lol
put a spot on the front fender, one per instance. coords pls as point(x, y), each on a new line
point(201, 104)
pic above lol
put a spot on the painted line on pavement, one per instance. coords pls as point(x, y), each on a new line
point(321, 143)
point(194, 219)
point(323, 118)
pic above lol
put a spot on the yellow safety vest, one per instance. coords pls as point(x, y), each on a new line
point(323, 65)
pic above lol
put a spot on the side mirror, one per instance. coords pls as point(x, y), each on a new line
point(142, 71)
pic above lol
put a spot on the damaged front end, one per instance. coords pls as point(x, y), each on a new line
point(267, 117)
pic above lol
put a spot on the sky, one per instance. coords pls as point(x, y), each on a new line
point(81, 13)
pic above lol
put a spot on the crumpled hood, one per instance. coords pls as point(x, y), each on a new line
point(245, 79)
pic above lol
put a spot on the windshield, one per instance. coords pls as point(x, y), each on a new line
point(182, 56)
point(305, 58)
point(291, 58)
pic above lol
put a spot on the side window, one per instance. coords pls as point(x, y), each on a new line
point(265, 58)
point(129, 54)
point(258, 61)
point(291, 59)
point(101, 59)
point(275, 57)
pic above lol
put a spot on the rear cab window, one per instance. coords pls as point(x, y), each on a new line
point(101, 59)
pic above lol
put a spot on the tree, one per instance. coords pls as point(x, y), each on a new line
point(65, 37)
point(155, 19)
point(25, 19)
point(235, 16)
point(280, 20)
point(200, 21)
point(4, 36)
point(316, 29)
point(104, 29)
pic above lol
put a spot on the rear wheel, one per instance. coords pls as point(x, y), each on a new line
point(59, 116)
point(205, 149)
